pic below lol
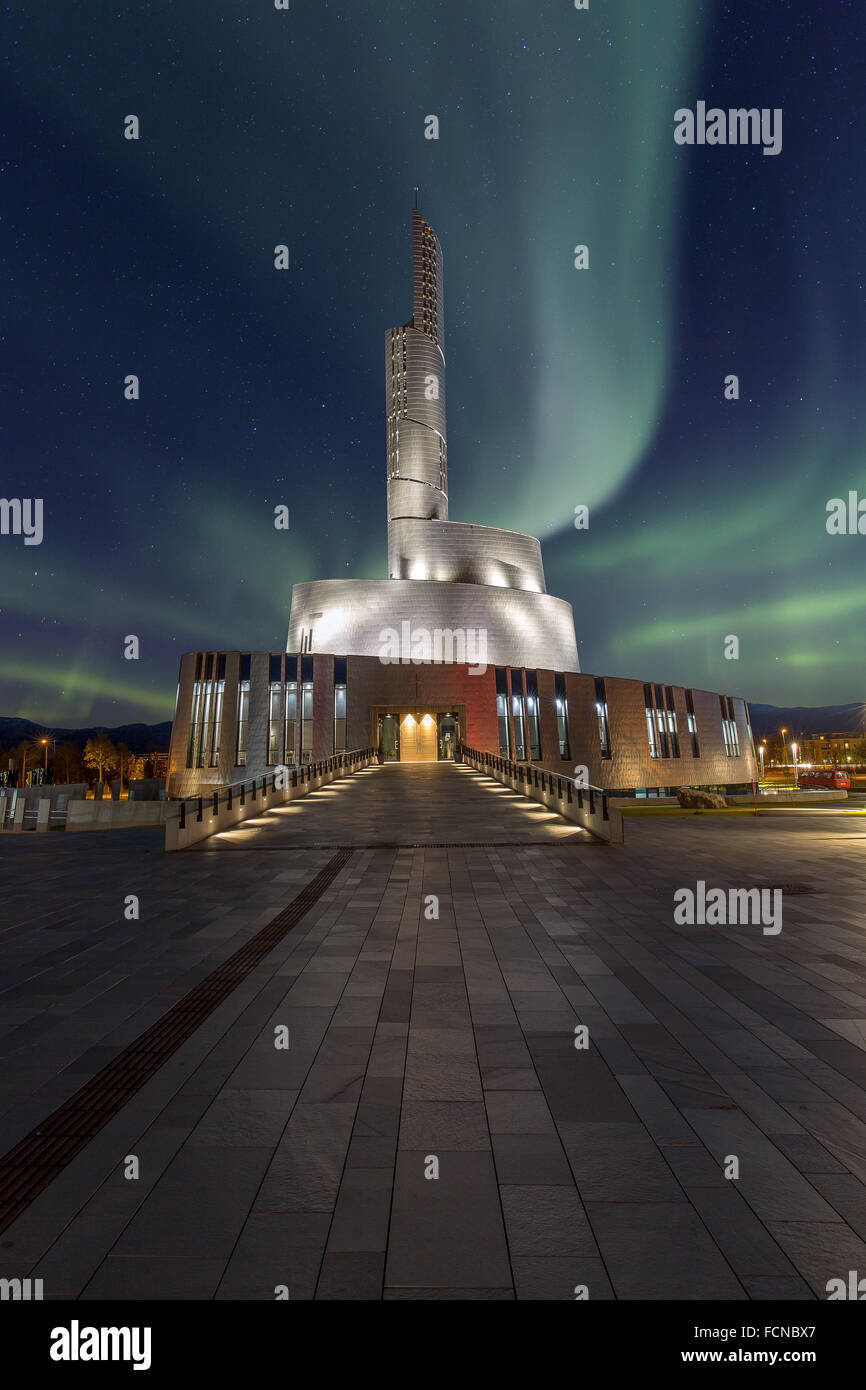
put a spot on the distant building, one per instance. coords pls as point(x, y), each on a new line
point(834, 750)
point(461, 643)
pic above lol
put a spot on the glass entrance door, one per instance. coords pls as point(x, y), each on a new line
point(389, 737)
point(448, 734)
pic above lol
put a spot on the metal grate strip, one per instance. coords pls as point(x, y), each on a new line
point(34, 1162)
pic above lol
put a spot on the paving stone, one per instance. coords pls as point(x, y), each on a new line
point(276, 1250)
point(304, 1172)
point(351, 1276)
point(778, 1290)
point(536, 1159)
point(552, 1279)
point(362, 1212)
point(447, 1232)
point(464, 1295)
point(199, 1205)
point(137, 1278)
point(820, 1250)
point(660, 1250)
point(546, 1222)
point(434, 1125)
point(249, 1119)
point(743, 1239)
point(618, 1162)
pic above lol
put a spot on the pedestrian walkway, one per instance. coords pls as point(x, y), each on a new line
point(404, 804)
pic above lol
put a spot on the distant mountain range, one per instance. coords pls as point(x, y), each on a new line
point(801, 719)
point(139, 738)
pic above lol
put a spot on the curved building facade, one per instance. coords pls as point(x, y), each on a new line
point(443, 575)
point(496, 626)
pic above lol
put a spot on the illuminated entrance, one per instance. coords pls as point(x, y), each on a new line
point(420, 735)
point(418, 738)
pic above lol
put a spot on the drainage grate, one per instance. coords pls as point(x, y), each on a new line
point(37, 1159)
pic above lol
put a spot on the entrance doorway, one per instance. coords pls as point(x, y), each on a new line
point(389, 737)
point(448, 734)
point(418, 738)
point(417, 733)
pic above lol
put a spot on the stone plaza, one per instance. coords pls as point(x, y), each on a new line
point(438, 1126)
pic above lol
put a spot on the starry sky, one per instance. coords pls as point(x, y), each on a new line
point(602, 387)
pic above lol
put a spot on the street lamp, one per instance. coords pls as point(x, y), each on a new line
point(45, 741)
point(783, 733)
point(761, 751)
point(794, 751)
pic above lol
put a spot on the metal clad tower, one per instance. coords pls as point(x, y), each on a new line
point(417, 447)
point(443, 575)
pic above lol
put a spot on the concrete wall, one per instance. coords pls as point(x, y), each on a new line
point(28, 808)
point(586, 807)
point(116, 815)
point(183, 828)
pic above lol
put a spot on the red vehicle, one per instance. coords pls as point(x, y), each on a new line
point(832, 778)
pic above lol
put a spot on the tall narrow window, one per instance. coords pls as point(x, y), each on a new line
point(651, 731)
point(306, 709)
point(202, 735)
point(502, 712)
point(661, 722)
point(518, 716)
point(339, 704)
point(307, 722)
point(693, 724)
point(276, 715)
point(562, 716)
point(532, 719)
point(216, 727)
point(243, 711)
point(601, 715)
point(291, 719)
point(195, 714)
point(339, 719)
point(671, 716)
point(729, 727)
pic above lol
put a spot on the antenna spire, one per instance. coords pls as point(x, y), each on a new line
point(417, 191)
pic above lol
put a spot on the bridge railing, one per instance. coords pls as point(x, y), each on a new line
point(197, 817)
point(586, 805)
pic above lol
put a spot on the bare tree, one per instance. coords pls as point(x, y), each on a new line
point(100, 753)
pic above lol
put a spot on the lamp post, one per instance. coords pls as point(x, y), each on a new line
point(794, 751)
point(783, 733)
point(761, 751)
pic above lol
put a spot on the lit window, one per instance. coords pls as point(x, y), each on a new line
point(692, 724)
point(601, 716)
point(562, 716)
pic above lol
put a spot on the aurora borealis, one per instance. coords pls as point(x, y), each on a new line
point(601, 387)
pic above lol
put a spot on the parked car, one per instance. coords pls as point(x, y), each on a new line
point(825, 777)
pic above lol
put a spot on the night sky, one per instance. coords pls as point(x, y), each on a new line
point(601, 387)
